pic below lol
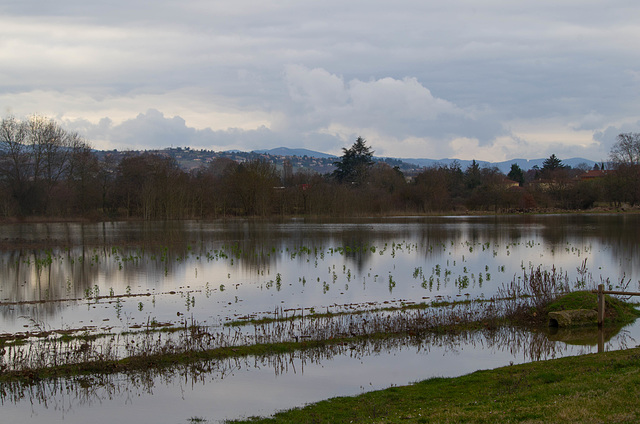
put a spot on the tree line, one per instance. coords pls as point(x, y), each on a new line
point(46, 171)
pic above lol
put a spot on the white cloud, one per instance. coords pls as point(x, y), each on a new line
point(388, 111)
point(397, 100)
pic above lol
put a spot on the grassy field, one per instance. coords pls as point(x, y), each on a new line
point(595, 388)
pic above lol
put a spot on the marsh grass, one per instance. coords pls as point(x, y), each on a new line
point(523, 301)
point(536, 288)
point(298, 314)
point(107, 380)
point(171, 345)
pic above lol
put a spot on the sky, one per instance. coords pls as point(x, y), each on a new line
point(492, 80)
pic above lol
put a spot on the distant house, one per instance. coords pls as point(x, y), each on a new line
point(509, 183)
point(593, 174)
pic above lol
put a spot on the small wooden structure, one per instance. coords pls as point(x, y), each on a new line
point(601, 292)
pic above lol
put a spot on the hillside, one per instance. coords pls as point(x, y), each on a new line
point(323, 163)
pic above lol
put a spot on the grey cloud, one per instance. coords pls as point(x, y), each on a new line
point(152, 130)
point(608, 136)
point(436, 71)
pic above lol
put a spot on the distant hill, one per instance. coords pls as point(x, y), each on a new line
point(322, 163)
point(285, 151)
point(504, 166)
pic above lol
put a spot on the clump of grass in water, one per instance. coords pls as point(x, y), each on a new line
point(615, 310)
point(528, 295)
point(538, 291)
point(537, 287)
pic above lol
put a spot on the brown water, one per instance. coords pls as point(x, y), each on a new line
point(69, 276)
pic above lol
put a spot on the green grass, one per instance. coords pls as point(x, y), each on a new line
point(616, 310)
point(574, 300)
point(593, 388)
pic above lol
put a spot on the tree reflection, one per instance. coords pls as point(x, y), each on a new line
point(66, 393)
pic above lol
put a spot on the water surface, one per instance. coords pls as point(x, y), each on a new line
point(110, 277)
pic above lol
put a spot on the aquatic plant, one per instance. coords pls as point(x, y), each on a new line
point(118, 307)
point(417, 272)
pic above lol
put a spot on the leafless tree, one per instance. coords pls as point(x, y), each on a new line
point(626, 150)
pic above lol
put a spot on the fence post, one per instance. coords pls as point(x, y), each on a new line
point(600, 339)
point(600, 305)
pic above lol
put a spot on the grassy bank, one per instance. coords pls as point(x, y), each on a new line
point(592, 388)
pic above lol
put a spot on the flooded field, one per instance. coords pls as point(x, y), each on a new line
point(112, 279)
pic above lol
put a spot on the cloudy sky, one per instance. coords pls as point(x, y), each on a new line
point(491, 80)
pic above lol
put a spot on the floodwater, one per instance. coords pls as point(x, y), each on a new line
point(112, 277)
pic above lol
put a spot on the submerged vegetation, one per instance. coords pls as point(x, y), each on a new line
point(90, 307)
point(279, 360)
point(524, 301)
point(56, 356)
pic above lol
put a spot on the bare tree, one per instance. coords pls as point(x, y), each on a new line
point(626, 150)
point(253, 184)
point(624, 183)
point(15, 158)
point(35, 155)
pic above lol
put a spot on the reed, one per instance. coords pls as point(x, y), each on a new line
point(520, 300)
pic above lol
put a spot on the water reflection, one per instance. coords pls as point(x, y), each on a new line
point(554, 229)
point(270, 383)
point(230, 268)
point(122, 275)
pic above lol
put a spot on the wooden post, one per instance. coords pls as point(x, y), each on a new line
point(600, 340)
point(600, 305)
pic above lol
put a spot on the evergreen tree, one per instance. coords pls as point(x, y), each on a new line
point(472, 175)
point(354, 164)
point(516, 174)
point(552, 164)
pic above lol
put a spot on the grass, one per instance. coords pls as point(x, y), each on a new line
point(592, 388)
point(249, 320)
point(616, 311)
point(574, 300)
